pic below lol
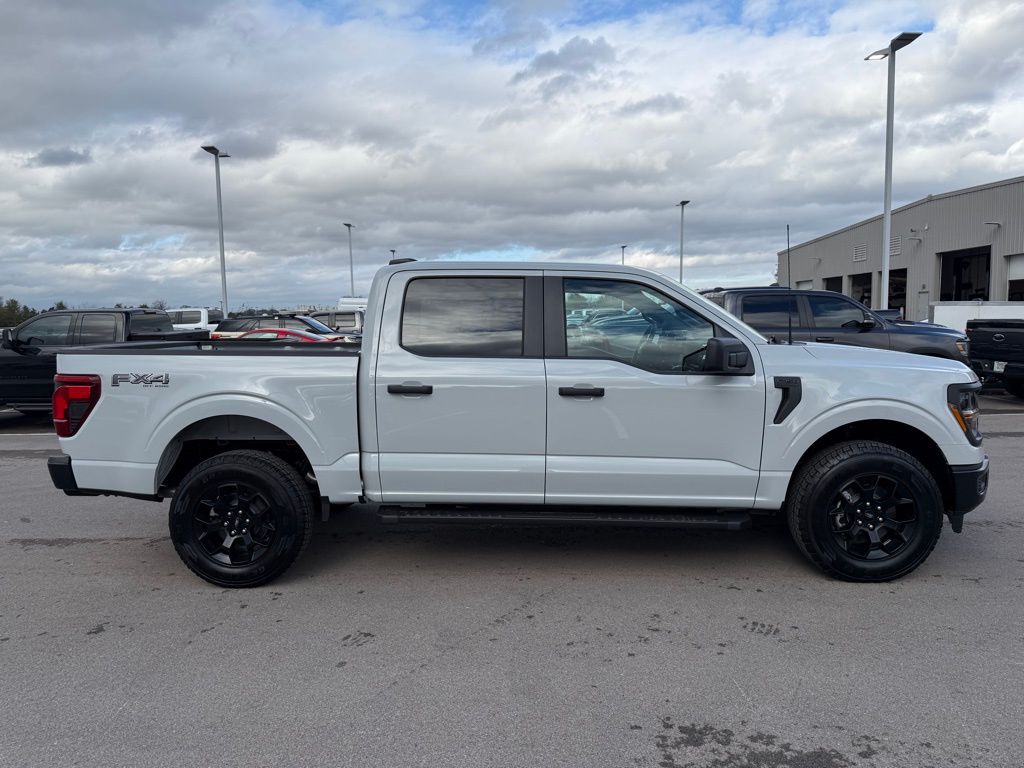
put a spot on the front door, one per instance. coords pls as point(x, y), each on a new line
point(27, 373)
point(459, 389)
point(631, 417)
point(841, 320)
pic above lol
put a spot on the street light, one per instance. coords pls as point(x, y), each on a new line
point(900, 41)
point(217, 155)
point(351, 269)
point(682, 205)
point(623, 247)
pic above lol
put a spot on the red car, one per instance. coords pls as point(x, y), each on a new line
point(283, 334)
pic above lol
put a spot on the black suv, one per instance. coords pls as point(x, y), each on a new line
point(834, 318)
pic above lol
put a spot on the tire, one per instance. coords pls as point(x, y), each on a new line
point(837, 529)
point(1015, 388)
point(241, 518)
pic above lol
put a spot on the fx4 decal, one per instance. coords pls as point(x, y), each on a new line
point(145, 379)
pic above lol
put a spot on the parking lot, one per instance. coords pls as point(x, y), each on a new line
point(502, 647)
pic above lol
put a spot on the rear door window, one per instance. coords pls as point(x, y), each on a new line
point(156, 322)
point(192, 317)
point(770, 311)
point(464, 316)
point(96, 328)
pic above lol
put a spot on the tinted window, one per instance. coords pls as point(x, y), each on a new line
point(97, 329)
point(643, 326)
point(151, 323)
point(46, 331)
point(215, 315)
point(464, 316)
point(191, 316)
point(235, 324)
point(313, 326)
point(769, 311)
point(834, 312)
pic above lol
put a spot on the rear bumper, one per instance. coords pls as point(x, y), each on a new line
point(63, 476)
point(970, 484)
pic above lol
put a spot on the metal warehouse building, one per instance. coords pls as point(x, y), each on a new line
point(957, 246)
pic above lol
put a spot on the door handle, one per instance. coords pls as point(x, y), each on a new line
point(410, 389)
point(581, 391)
point(825, 338)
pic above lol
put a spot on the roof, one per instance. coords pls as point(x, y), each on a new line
point(908, 206)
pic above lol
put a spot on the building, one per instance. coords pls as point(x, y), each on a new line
point(957, 246)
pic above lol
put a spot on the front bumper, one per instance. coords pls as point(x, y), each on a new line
point(970, 484)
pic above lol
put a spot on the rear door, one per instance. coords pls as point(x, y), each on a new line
point(460, 389)
point(770, 313)
point(837, 319)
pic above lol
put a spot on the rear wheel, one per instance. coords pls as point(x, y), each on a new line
point(865, 511)
point(241, 518)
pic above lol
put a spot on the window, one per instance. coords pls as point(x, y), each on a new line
point(46, 331)
point(191, 317)
point(215, 316)
point(464, 316)
point(345, 320)
point(97, 329)
point(834, 284)
point(770, 310)
point(156, 322)
point(633, 324)
point(834, 312)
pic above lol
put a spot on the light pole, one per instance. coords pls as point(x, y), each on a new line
point(351, 269)
point(217, 155)
point(682, 205)
point(623, 247)
point(900, 41)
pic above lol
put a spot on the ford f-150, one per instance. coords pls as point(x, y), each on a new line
point(474, 398)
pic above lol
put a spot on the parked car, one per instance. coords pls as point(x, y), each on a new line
point(28, 355)
point(834, 318)
point(236, 326)
point(470, 401)
point(997, 352)
point(349, 322)
point(195, 318)
point(281, 334)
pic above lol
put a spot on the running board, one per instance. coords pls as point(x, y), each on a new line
point(729, 520)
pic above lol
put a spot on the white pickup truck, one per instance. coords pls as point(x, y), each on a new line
point(479, 395)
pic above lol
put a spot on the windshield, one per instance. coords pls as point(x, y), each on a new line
point(317, 326)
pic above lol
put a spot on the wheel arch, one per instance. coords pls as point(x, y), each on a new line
point(897, 434)
point(213, 435)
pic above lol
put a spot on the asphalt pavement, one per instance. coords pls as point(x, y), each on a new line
point(502, 647)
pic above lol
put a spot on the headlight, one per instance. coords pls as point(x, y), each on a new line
point(963, 404)
point(964, 346)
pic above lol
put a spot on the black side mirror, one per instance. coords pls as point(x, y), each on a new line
point(867, 323)
point(727, 357)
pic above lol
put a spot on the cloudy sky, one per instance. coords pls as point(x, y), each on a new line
point(531, 130)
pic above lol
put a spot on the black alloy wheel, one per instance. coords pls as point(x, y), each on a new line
point(865, 511)
point(241, 518)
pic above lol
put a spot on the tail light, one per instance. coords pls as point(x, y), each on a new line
point(74, 396)
point(214, 335)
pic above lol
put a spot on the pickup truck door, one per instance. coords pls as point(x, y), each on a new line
point(631, 418)
point(841, 320)
point(27, 370)
point(459, 389)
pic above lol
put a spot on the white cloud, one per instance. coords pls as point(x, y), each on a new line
point(517, 131)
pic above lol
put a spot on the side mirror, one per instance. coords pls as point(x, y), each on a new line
point(867, 323)
point(8, 342)
point(727, 357)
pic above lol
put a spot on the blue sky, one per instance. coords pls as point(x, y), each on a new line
point(546, 131)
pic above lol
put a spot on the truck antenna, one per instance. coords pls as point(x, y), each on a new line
point(789, 284)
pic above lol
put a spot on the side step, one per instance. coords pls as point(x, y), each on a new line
point(730, 520)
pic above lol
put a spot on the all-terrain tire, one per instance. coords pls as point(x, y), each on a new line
point(827, 493)
point(241, 518)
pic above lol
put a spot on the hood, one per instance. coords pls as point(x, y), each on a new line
point(912, 328)
point(842, 354)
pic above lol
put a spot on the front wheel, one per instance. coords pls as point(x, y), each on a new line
point(241, 518)
point(865, 511)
